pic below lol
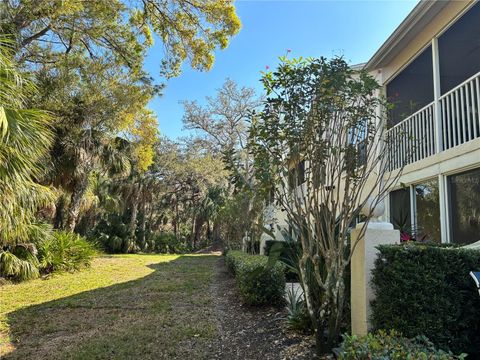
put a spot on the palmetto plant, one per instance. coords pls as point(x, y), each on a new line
point(25, 138)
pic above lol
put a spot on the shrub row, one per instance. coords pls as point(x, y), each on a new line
point(258, 283)
point(427, 290)
point(391, 345)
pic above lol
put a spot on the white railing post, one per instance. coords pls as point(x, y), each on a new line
point(436, 95)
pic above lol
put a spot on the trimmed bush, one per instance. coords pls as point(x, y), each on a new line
point(427, 290)
point(258, 284)
point(383, 346)
point(231, 257)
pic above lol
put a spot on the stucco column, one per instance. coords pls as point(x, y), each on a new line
point(363, 259)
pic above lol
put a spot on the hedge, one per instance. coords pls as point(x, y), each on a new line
point(427, 290)
point(258, 285)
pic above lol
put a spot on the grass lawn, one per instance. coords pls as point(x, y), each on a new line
point(123, 307)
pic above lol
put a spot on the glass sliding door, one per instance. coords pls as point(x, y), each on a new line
point(464, 201)
point(427, 203)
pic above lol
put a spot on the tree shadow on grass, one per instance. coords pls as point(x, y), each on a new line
point(165, 315)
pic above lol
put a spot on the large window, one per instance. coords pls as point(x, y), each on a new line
point(400, 214)
point(459, 50)
point(412, 89)
point(424, 224)
point(464, 190)
point(427, 203)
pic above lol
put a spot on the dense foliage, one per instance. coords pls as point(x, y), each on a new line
point(258, 284)
point(427, 290)
point(25, 138)
point(392, 346)
point(81, 151)
point(121, 30)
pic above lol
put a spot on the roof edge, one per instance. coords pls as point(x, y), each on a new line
point(412, 20)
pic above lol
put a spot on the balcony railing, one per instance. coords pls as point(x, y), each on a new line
point(459, 111)
point(414, 139)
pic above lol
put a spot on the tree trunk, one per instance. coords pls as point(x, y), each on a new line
point(209, 232)
point(175, 221)
point(198, 229)
point(75, 202)
point(59, 208)
point(217, 239)
point(143, 222)
point(134, 213)
point(193, 232)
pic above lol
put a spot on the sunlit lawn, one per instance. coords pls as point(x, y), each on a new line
point(123, 307)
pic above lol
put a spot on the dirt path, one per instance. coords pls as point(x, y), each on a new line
point(248, 332)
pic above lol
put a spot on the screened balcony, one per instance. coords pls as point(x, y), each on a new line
point(436, 98)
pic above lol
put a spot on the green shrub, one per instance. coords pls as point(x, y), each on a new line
point(427, 290)
point(232, 257)
point(65, 251)
point(391, 346)
point(258, 283)
point(168, 243)
point(14, 266)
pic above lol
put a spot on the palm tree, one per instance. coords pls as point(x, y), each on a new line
point(211, 206)
point(77, 154)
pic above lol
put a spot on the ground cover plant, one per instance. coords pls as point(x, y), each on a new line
point(391, 345)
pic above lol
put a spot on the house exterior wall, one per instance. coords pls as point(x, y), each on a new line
point(447, 162)
point(444, 162)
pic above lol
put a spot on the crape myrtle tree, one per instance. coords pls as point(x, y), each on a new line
point(318, 142)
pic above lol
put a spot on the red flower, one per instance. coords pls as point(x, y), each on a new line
point(288, 50)
point(404, 236)
point(267, 67)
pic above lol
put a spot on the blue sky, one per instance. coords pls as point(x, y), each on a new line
point(354, 29)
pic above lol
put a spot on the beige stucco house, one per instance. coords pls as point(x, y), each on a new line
point(430, 69)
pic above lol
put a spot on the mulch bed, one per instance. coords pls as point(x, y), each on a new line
point(251, 332)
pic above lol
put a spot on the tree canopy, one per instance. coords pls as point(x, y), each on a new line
point(122, 31)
